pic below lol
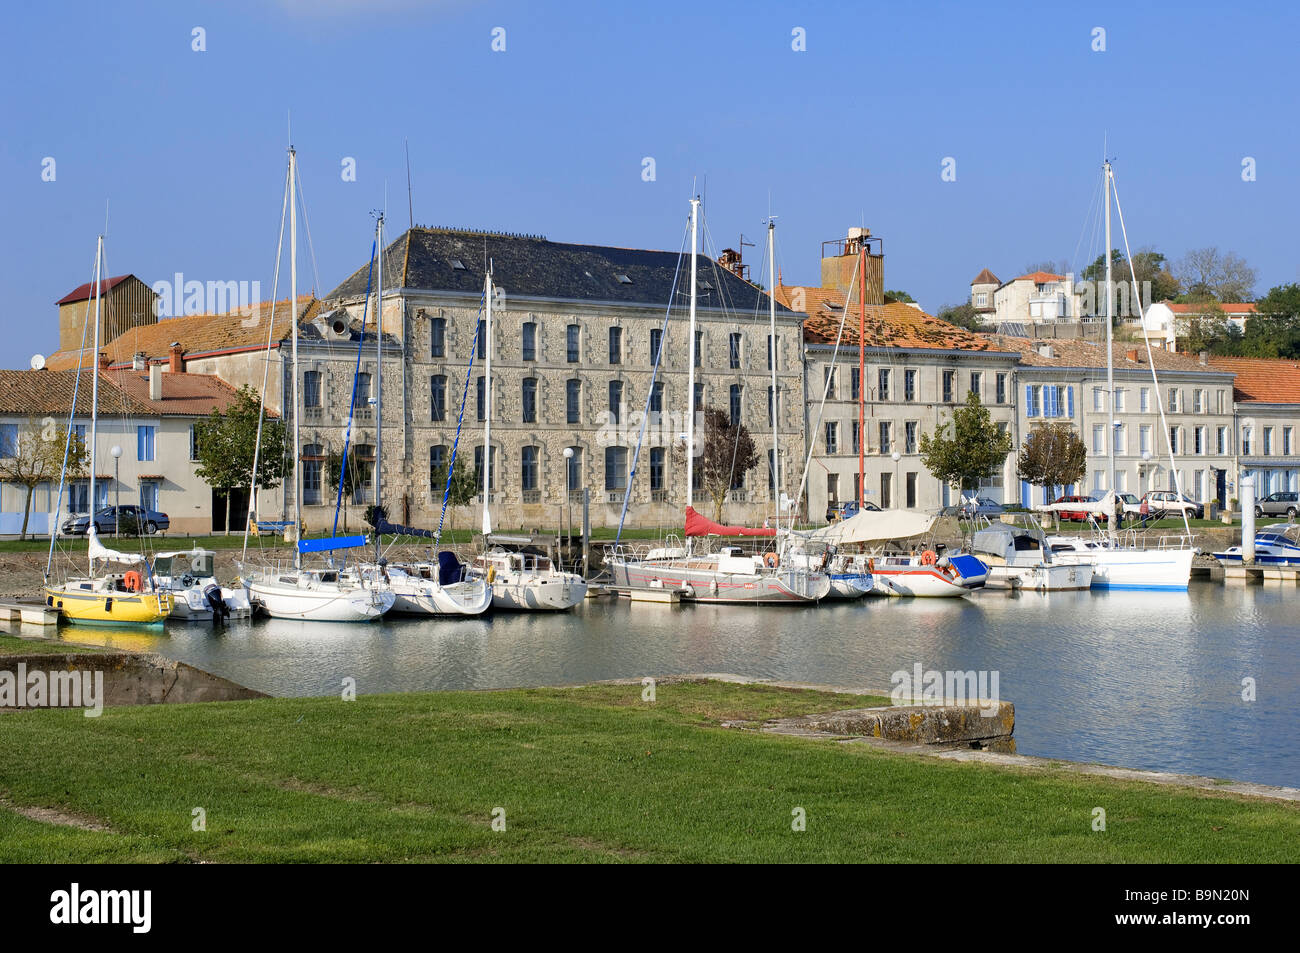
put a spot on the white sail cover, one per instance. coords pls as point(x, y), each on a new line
point(876, 526)
point(99, 552)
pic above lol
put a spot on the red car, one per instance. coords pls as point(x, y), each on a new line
point(1079, 515)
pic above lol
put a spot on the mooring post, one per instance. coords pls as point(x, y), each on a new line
point(586, 531)
point(1248, 521)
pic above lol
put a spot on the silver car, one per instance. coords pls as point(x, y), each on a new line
point(1279, 504)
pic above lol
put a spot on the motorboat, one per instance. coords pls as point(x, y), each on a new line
point(521, 577)
point(189, 575)
point(1019, 557)
point(1277, 545)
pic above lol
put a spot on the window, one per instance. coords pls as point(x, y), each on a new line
point(311, 389)
point(1098, 438)
point(882, 382)
point(194, 442)
point(144, 442)
point(657, 398)
point(363, 389)
point(771, 474)
point(364, 467)
point(482, 338)
point(615, 400)
point(886, 433)
point(480, 398)
point(773, 407)
point(1119, 400)
point(1221, 441)
point(438, 338)
point(1198, 440)
point(855, 386)
point(771, 353)
point(828, 380)
point(1000, 389)
point(1144, 399)
point(1121, 439)
point(833, 487)
point(616, 345)
point(616, 468)
point(1098, 399)
point(313, 461)
point(571, 343)
point(438, 457)
point(1219, 401)
point(857, 438)
point(947, 386)
point(911, 491)
point(529, 394)
point(909, 385)
point(438, 397)
point(699, 348)
point(1144, 438)
point(149, 495)
point(530, 341)
point(573, 471)
point(699, 396)
point(832, 438)
point(478, 469)
point(1247, 440)
point(528, 469)
point(573, 401)
point(981, 301)
point(886, 491)
point(1287, 441)
point(733, 350)
point(909, 438)
point(656, 340)
point(1173, 400)
point(1268, 441)
point(735, 404)
point(1197, 406)
point(657, 458)
point(976, 379)
point(1033, 400)
point(1173, 440)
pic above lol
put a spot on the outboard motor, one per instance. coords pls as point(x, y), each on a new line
point(212, 593)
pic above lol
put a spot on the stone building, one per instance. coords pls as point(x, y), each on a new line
point(576, 329)
point(1267, 396)
point(125, 302)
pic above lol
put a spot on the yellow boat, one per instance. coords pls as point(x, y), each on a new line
point(107, 600)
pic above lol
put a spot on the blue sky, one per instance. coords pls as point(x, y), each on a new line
point(548, 136)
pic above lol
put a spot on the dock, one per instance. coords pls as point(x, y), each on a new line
point(27, 612)
point(1267, 575)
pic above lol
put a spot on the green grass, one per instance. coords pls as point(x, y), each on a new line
point(588, 774)
point(12, 645)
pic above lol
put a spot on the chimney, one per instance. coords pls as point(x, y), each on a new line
point(103, 360)
point(138, 362)
point(177, 359)
point(1045, 350)
point(1205, 358)
point(155, 381)
point(1132, 354)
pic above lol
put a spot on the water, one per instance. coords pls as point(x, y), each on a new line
point(1142, 680)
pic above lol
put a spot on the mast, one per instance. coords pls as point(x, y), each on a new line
point(1110, 364)
point(293, 323)
point(94, 393)
point(487, 412)
point(379, 374)
point(690, 405)
point(771, 300)
point(862, 376)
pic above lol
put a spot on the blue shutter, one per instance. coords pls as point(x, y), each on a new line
point(1051, 401)
point(1026, 498)
point(1069, 402)
point(1030, 410)
point(139, 444)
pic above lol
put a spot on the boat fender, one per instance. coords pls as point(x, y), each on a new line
point(492, 574)
point(713, 587)
point(133, 581)
point(771, 560)
point(871, 565)
point(929, 558)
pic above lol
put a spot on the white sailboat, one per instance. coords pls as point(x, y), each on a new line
point(1128, 562)
point(519, 580)
point(328, 594)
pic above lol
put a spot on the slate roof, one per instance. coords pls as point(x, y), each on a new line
point(84, 292)
point(892, 324)
point(1262, 380)
point(121, 393)
point(1071, 352)
point(424, 259)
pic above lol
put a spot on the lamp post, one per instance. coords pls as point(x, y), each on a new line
point(116, 451)
point(568, 502)
point(895, 456)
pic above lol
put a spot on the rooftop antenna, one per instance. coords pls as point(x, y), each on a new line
point(410, 206)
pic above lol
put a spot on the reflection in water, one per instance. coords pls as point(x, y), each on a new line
point(1150, 680)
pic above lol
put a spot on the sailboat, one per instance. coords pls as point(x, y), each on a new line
point(111, 594)
point(328, 594)
point(419, 588)
point(729, 575)
point(1127, 563)
point(520, 579)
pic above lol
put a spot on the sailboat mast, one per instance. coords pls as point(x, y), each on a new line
point(862, 376)
point(94, 391)
point(1110, 362)
point(487, 411)
point(293, 324)
point(690, 405)
point(771, 357)
point(379, 373)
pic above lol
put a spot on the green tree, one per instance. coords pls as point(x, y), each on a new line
point(724, 455)
point(1151, 269)
point(37, 457)
point(902, 296)
point(225, 444)
point(975, 450)
point(1052, 455)
point(462, 490)
point(962, 315)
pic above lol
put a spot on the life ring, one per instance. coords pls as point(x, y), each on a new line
point(133, 581)
point(929, 557)
point(771, 560)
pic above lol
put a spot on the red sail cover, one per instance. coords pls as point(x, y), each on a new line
point(697, 525)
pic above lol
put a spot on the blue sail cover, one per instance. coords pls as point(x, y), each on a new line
point(378, 518)
point(330, 543)
point(450, 571)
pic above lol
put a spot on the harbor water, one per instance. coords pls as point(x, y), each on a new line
point(1138, 679)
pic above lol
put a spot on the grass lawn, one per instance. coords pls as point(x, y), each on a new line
point(587, 774)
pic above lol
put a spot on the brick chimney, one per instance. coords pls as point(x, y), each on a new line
point(177, 359)
point(155, 381)
point(103, 360)
point(1132, 354)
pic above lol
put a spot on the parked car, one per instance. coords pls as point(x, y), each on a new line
point(1167, 502)
point(1279, 504)
point(135, 519)
point(983, 506)
point(842, 511)
point(1132, 505)
point(1080, 515)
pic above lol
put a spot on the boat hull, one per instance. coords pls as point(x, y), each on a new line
point(325, 604)
point(459, 599)
point(850, 585)
point(537, 595)
point(1043, 577)
point(109, 608)
point(1166, 570)
point(791, 587)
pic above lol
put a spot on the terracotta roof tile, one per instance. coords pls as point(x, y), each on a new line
point(986, 277)
point(122, 393)
point(1040, 276)
point(1262, 380)
point(893, 324)
point(1075, 353)
point(1244, 307)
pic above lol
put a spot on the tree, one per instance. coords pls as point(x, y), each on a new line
point(461, 491)
point(37, 457)
point(225, 443)
point(1207, 273)
point(352, 480)
point(962, 315)
point(724, 454)
point(1155, 281)
point(976, 449)
point(902, 296)
point(1053, 455)
point(1058, 267)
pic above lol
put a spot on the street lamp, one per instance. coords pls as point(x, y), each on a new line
point(116, 451)
point(568, 502)
point(895, 456)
